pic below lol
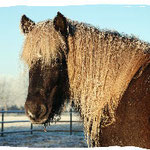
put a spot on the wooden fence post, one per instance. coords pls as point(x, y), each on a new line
point(2, 125)
point(70, 121)
point(31, 128)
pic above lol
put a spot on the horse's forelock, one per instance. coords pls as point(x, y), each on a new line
point(43, 43)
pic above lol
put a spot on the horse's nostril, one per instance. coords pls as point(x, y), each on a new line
point(31, 115)
point(43, 110)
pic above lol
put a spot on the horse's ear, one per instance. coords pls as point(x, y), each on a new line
point(26, 24)
point(60, 24)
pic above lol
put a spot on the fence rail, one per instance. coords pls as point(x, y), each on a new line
point(2, 122)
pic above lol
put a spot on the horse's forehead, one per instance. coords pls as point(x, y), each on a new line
point(44, 23)
point(40, 28)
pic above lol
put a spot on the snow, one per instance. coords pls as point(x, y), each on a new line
point(48, 139)
point(39, 140)
point(42, 139)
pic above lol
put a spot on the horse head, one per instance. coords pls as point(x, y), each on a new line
point(48, 80)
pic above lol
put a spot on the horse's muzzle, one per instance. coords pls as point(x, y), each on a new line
point(37, 112)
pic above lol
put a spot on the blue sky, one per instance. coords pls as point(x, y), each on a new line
point(123, 18)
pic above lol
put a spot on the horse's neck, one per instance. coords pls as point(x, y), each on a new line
point(94, 60)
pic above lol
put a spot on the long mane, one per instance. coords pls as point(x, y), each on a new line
point(104, 63)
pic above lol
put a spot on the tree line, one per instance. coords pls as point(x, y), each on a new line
point(13, 91)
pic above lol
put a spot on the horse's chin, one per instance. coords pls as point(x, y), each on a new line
point(39, 121)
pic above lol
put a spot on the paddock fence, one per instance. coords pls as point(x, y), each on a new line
point(31, 126)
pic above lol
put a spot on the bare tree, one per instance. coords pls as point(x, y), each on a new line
point(13, 91)
point(4, 92)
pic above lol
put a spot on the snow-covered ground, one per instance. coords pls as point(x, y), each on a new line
point(48, 139)
point(43, 139)
point(14, 141)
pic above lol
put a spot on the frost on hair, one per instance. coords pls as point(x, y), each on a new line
point(44, 43)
